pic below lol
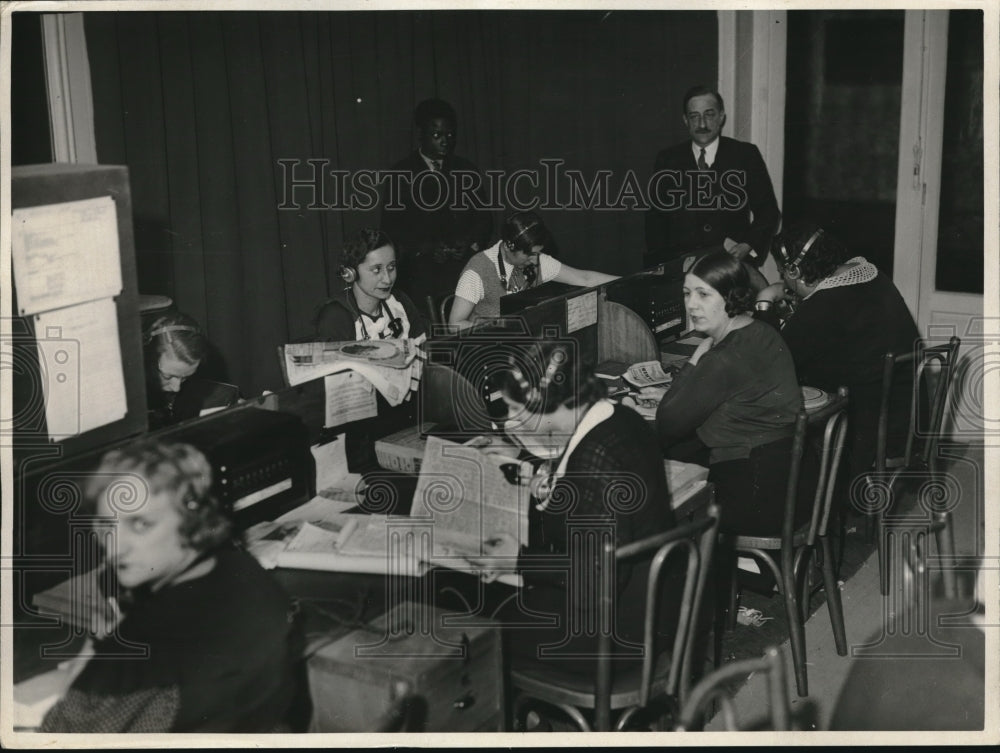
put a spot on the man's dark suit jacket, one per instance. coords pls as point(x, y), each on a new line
point(419, 235)
point(698, 210)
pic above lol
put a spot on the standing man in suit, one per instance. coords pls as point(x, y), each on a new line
point(710, 192)
point(434, 234)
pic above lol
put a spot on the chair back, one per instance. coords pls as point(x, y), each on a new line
point(712, 687)
point(945, 356)
point(697, 539)
point(432, 311)
point(833, 418)
point(444, 308)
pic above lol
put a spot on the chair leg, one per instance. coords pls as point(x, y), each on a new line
point(833, 601)
point(881, 545)
point(805, 592)
point(796, 630)
point(944, 534)
point(734, 599)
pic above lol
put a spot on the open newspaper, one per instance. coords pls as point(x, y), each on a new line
point(468, 497)
point(392, 366)
point(464, 497)
point(647, 374)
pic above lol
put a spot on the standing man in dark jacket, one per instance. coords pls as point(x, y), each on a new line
point(710, 192)
point(433, 221)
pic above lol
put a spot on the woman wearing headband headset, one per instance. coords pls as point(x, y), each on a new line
point(848, 316)
point(368, 308)
point(199, 637)
point(521, 259)
point(603, 466)
point(174, 349)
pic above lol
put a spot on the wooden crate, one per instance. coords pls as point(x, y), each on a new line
point(455, 671)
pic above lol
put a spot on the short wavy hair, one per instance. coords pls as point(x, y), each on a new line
point(363, 242)
point(179, 470)
point(548, 374)
point(729, 278)
point(825, 254)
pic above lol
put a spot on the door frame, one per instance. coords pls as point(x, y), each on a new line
point(918, 180)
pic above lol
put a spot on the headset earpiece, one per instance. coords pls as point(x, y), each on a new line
point(792, 271)
point(348, 274)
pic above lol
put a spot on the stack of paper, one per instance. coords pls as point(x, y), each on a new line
point(647, 374)
point(338, 542)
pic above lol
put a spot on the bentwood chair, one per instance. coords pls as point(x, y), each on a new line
point(661, 684)
point(713, 689)
point(919, 462)
point(796, 546)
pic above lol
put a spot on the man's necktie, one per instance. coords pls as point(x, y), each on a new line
point(436, 165)
point(702, 164)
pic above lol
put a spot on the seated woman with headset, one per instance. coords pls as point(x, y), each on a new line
point(520, 259)
point(367, 308)
point(174, 349)
point(737, 394)
point(604, 467)
point(204, 640)
point(846, 317)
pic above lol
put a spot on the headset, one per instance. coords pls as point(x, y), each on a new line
point(791, 266)
point(168, 328)
point(348, 274)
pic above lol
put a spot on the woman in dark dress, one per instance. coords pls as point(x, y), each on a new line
point(847, 316)
point(368, 308)
point(738, 395)
point(207, 642)
point(604, 472)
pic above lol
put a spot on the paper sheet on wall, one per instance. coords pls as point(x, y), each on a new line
point(349, 397)
point(80, 367)
point(65, 254)
point(581, 311)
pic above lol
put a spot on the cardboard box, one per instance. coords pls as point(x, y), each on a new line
point(453, 673)
point(404, 450)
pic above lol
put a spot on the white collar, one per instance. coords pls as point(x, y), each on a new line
point(710, 151)
point(429, 161)
point(599, 412)
point(861, 272)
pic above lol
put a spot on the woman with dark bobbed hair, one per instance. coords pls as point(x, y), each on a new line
point(603, 466)
point(368, 308)
point(738, 396)
point(846, 318)
point(522, 258)
point(218, 648)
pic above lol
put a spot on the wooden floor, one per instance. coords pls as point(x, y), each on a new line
point(864, 608)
